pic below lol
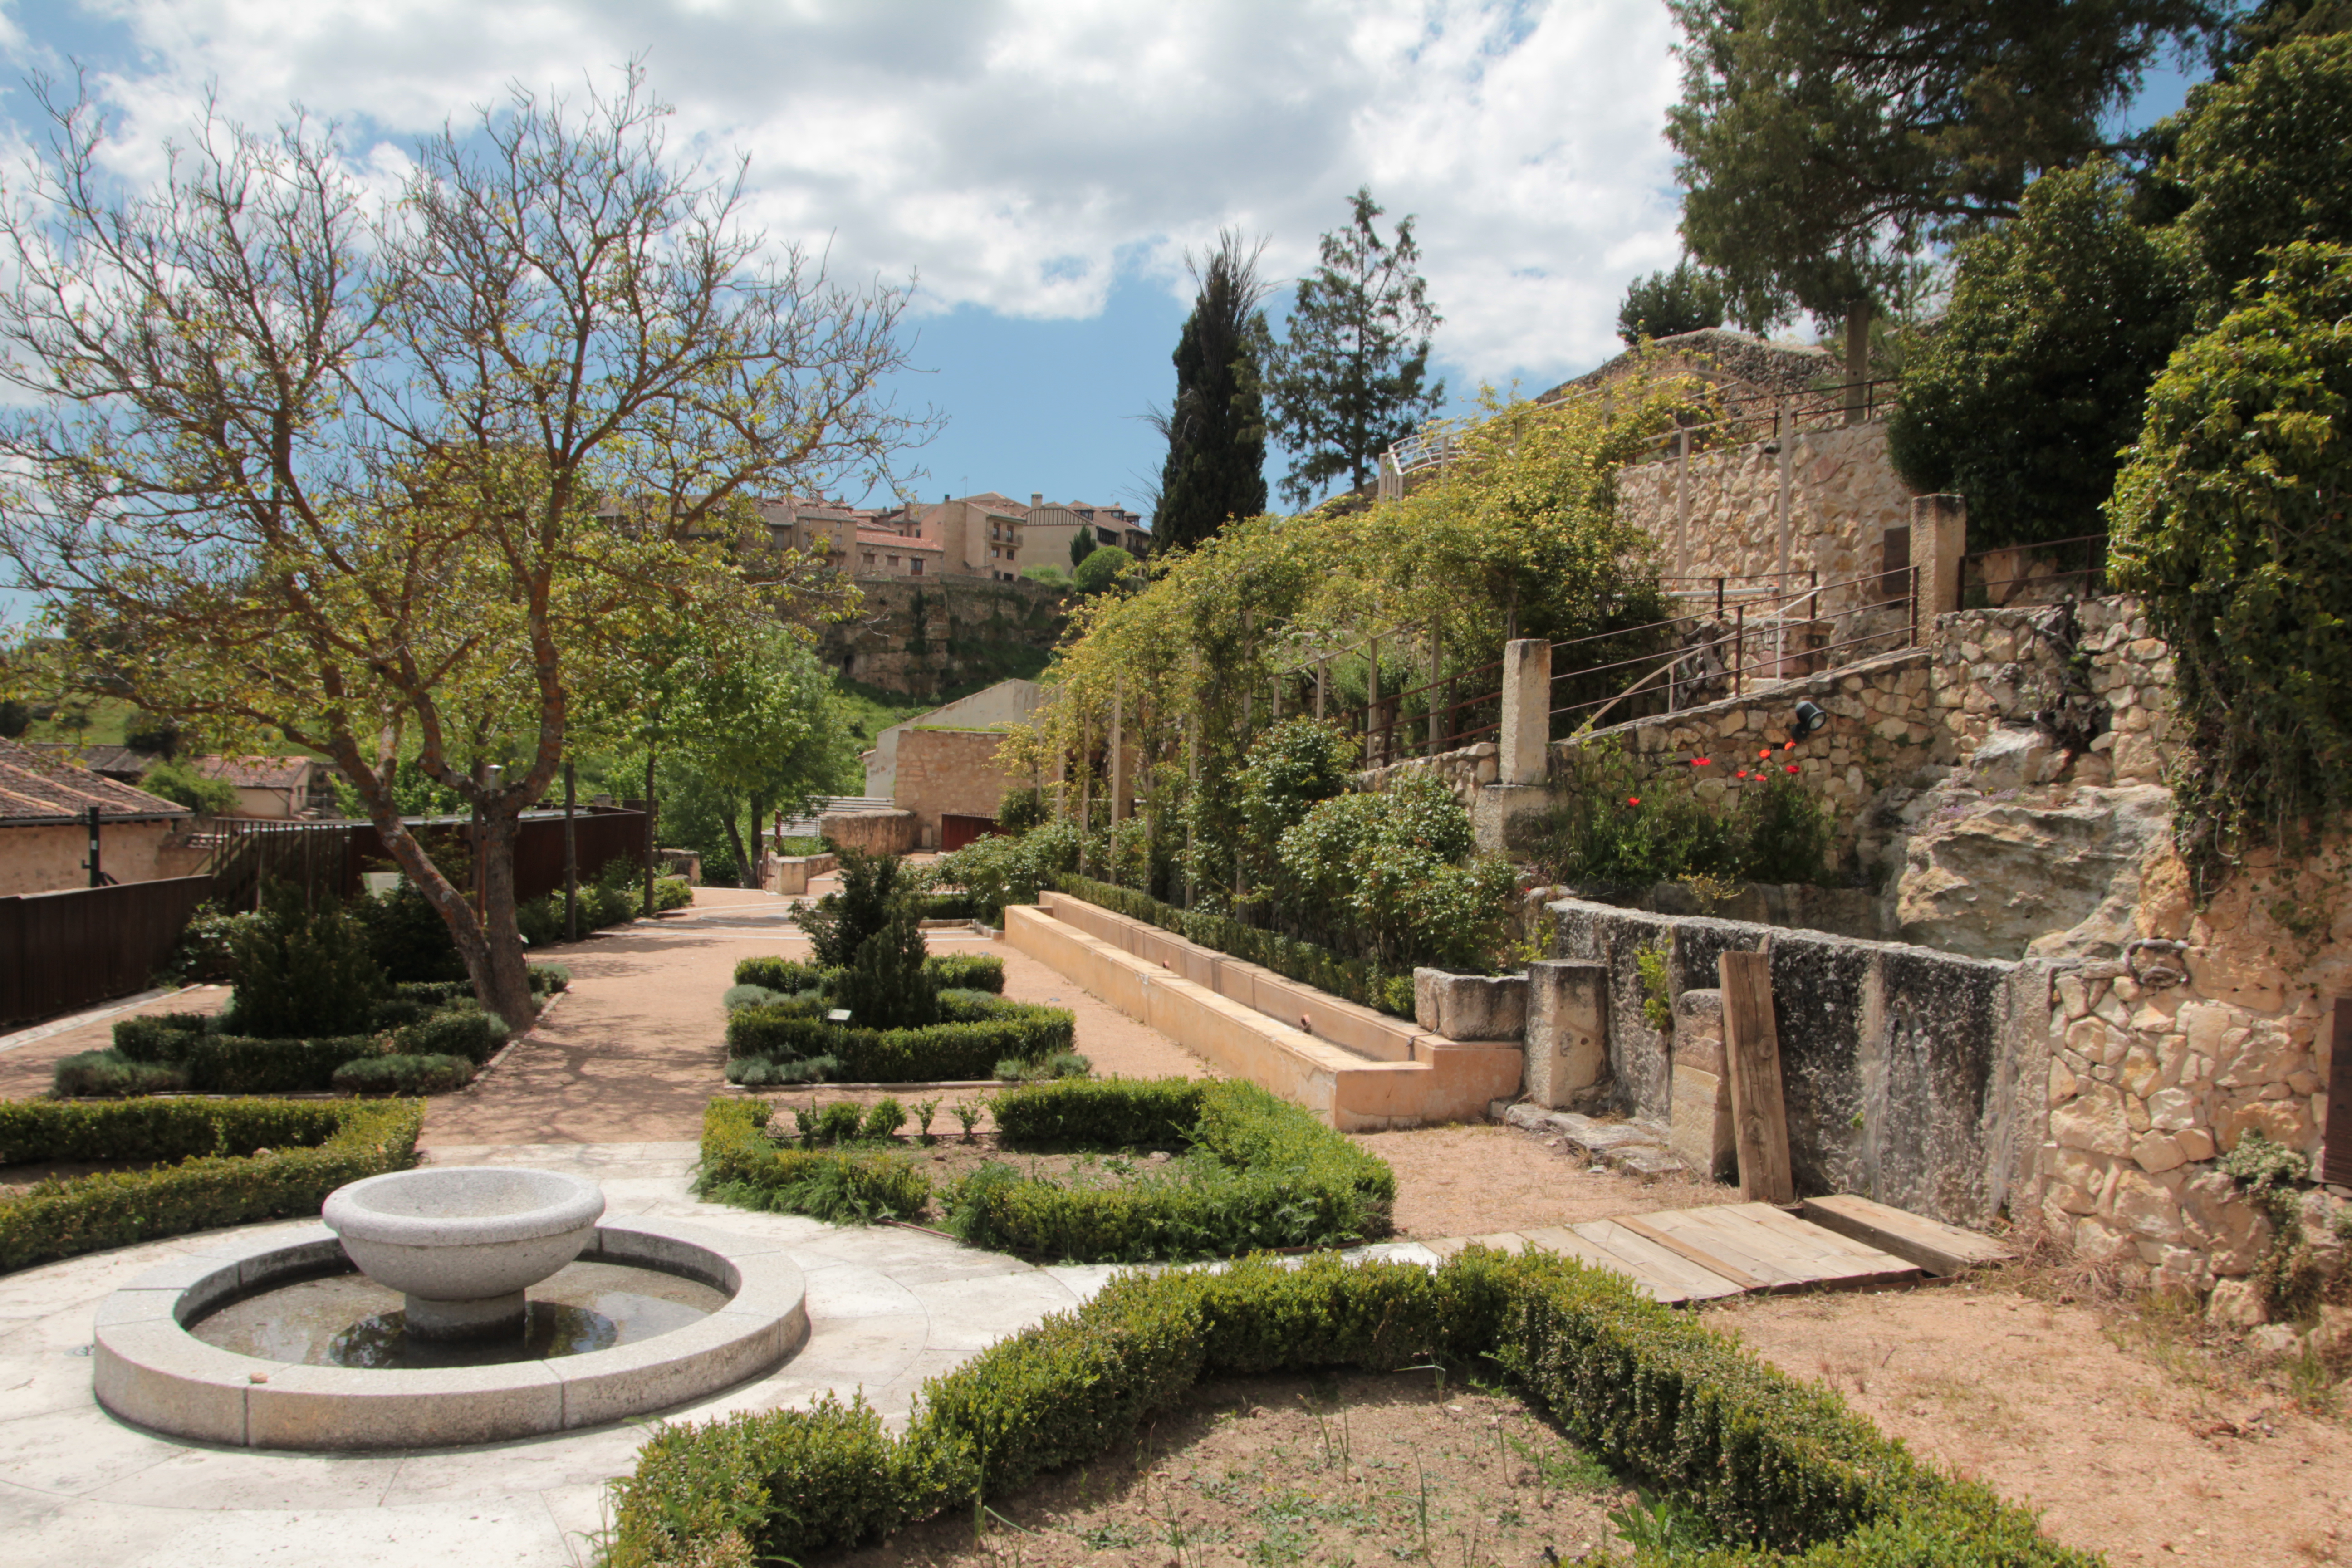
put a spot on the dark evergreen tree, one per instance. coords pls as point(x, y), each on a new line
point(1687, 300)
point(1350, 378)
point(1082, 544)
point(838, 923)
point(1216, 428)
point(885, 986)
point(1824, 143)
point(301, 972)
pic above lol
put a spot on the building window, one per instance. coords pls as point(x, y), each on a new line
point(915, 567)
point(869, 558)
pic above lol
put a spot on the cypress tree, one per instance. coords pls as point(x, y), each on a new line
point(1217, 429)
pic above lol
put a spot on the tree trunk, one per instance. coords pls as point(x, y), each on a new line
point(735, 841)
point(501, 978)
point(1857, 361)
point(490, 948)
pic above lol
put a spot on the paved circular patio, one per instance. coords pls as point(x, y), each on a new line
point(888, 1308)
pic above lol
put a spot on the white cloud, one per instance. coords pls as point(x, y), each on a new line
point(1020, 153)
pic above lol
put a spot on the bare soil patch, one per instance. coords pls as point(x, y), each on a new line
point(1475, 1178)
point(1366, 1468)
point(2128, 1447)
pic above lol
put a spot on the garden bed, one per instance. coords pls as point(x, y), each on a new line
point(428, 1037)
point(1373, 1466)
point(1245, 1172)
point(207, 1164)
point(1741, 1453)
point(780, 1031)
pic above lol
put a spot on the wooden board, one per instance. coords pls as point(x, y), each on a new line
point(1568, 1244)
point(1784, 1252)
point(1674, 1236)
point(1941, 1249)
point(1751, 1049)
point(2335, 1150)
point(1669, 1275)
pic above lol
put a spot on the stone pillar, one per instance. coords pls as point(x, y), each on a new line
point(1527, 710)
point(1699, 1116)
point(1567, 1029)
point(1939, 537)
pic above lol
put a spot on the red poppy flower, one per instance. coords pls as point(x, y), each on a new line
point(1765, 752)
point(1793, 767)
point(1788, 745)
point(1743, 773)
point(1701, 762)
point(1632, 800)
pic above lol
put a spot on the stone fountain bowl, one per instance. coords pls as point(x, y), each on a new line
point(463, 1242)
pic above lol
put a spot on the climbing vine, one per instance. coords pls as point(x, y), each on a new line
point(1518, 536)
point(2230, 520)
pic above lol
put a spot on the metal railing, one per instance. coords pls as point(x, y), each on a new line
point(2036, 574)
point(1751, 643)
point(1433, 729)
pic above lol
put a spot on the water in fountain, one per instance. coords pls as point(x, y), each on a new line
point(348, 1320)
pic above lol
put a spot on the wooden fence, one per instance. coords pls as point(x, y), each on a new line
point(67, 950)
point(63, 951)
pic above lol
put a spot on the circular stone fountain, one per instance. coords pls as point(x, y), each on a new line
point(462, 1243)
point(273, 1342)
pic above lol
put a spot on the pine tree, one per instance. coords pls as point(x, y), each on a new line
point(1663, 304)
point(1217, 429)
point(1349, 379)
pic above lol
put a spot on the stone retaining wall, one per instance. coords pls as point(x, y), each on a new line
point(2214, 1026)
point(1999, 669)
point(1897, 1063)
point(1843, 495)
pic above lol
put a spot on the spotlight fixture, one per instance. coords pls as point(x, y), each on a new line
point(1809, 719)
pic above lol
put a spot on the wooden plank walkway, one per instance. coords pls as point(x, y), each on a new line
point(1679, 1255)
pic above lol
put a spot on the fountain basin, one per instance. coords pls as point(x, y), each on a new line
point(462, 1243)
point(151, 1371)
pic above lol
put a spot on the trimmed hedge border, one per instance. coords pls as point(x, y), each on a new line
point(239, 1160)
point(947, 971)
point(1267, 1174)
point(931, 1053)
point(741, 1166)
point(1781, 1469)
point(1274, 1176)
point(1293, 960)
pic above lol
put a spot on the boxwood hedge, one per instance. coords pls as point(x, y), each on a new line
point(1782, 1470)
point(965, 1049)
point(238, 1161)
point(947, 971)
point(1262, 1172)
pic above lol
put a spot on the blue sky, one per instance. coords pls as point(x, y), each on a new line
point(1042, 166)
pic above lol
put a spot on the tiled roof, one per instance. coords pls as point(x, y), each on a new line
point(257, 773)
point(115, 761)
point(35, 787)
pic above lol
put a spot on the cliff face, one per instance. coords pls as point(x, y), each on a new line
point(924, 638)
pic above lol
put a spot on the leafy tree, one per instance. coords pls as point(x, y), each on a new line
point(1388, 877)
point(2273, 22)
point(1295, 764)
point(2025, 396)
point(1663, 304)
point(15, 717)
point(1349, 379)
point(178, 783)
point(2230, 519)
point(152, 735)
point(1216, 469)
point(2266, 157)
point(412, 478)
point(1105, 568)
point(757, 726)
point(1082, 544)
point(1823, 143)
